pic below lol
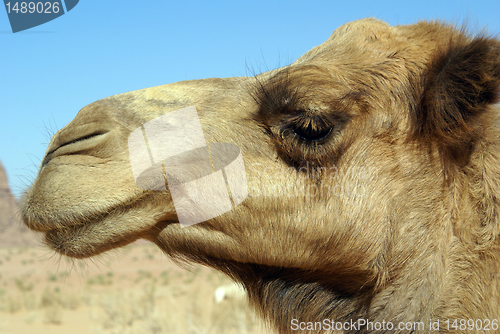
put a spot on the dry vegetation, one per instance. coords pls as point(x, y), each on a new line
point(134, 290)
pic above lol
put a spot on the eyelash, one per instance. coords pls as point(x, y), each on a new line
point(312, 136)
point(308, 130)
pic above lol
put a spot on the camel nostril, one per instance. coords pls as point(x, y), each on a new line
point(92, 135)
point(75, 144)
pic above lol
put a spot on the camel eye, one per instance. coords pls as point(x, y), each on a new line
point(310, 133)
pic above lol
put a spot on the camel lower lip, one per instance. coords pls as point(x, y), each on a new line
point(73, 242)
point(66, 240)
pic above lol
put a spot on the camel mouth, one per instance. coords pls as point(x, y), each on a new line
point(41, 223)
point(97, 223)
point(86, 239)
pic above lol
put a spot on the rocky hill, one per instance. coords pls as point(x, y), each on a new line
point(12, 230)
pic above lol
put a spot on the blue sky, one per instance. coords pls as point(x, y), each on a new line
point(102, 48)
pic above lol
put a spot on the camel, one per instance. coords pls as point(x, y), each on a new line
point(373, 173)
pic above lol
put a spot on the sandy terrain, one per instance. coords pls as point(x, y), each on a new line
point(135, 289)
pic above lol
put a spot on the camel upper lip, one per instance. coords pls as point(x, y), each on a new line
point(34, 218)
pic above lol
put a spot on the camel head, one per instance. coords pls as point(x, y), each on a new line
point(372, 173)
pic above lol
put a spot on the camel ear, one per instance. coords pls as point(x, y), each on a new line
point(462, 80)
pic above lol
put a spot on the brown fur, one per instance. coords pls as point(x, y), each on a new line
point(373, 167)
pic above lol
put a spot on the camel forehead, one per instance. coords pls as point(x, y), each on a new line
point(369, 41)
point(369, 27)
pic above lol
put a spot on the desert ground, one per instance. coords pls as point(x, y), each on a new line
point(135, 289)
